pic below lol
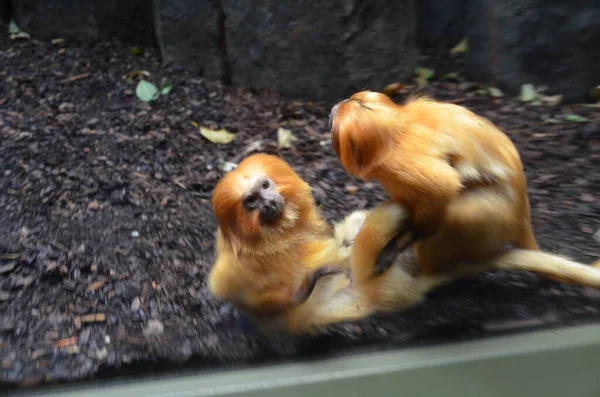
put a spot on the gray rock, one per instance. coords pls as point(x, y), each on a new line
point(4, 13)
point(542, 42)
point(441, 23)
point(86, 20)
point(191, 33)
point(319, 49)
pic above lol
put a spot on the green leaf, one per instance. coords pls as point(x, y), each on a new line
point(423, 75)
point(453, 76)
point(13, 28)
point(135, 50)
point(424, 72)
point(575, 118)
point(166, 89)
point(528, 93)
point(495, 92)
point(146, 91)
point(221, 136)
point(460, 47)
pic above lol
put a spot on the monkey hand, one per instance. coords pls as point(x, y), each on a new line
point(310, 280)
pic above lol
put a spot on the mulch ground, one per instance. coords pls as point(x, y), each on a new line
point(106, 228)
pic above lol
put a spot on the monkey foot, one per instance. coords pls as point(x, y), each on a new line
point(310, 281)
point(390, 252)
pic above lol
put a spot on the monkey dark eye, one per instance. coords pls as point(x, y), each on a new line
point(250, 201)
point(266, 184)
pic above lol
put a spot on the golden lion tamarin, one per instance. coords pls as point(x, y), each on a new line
point(459, 176)
point(274, 250)
point(270, 238)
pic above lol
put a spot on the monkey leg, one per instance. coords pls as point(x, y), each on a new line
point(478, 223)
point(383, 235)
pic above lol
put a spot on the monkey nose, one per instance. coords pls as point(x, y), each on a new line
point(271, 210)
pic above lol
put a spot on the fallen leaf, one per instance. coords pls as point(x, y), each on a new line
point(461, 47)
point(452, 76)
point(528, 93)
point(423, 75)
point(16, 33)
point(392, 89)
point(551, 100)
point(495, 92)
point(134, 74)
point(146, 91)
point(575, 118)
point(285, 138)
point(221, 136)
point(166, 89)
point(228, 166)
point(135, 50)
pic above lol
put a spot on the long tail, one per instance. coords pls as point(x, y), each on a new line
point(549, 265)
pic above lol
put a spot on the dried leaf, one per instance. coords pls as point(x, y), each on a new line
point(285, 138)
point(552, 100)
point(461, 47)
point(575, 118)
point(221, 136)
point(392, 89)
point(495, 92)
point(15, 32)
point(146, 91)
point(134, 74)
point(528, 93)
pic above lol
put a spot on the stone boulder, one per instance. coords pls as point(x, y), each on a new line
point(191, 33)
point(543, 42)
point(86, 20)
point(441, 23)
point(313, 49)
point(320, 49)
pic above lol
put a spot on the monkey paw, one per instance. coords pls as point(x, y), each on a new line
point(390, 252)
point(309, 282)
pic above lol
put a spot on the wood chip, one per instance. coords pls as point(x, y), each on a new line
point(62, 343)
point(75, 78)
point(93, 318)
point(95, 285)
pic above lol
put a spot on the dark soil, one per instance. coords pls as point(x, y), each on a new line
point(106, 229)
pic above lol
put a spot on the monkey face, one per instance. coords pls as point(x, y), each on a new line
point(262, 197)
